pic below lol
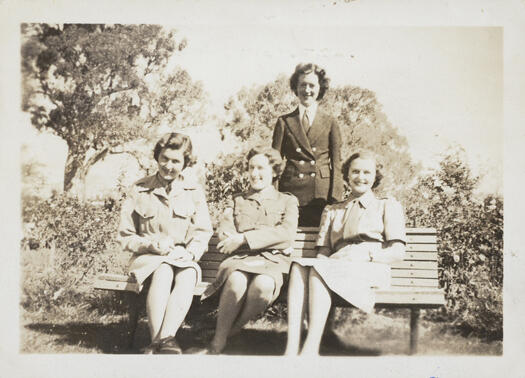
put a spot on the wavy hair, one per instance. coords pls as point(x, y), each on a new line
point(176, 141)
point(306, 68)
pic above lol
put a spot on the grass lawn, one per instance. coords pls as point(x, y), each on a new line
point(69, 331)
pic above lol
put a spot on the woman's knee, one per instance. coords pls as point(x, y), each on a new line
point(263, 287)
point(237, 283)
point(163, 273)
point(186, 276)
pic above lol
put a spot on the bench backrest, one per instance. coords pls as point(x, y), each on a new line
point(419, 269)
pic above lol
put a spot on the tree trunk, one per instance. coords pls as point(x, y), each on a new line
point(76, 169)
point(73, 162)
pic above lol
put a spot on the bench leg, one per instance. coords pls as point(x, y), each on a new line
point(133, 317)
point(414, 329)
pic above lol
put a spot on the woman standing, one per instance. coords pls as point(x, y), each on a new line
point(166, 225)
point(358, 239)
point(258, 230)
point(310, 140)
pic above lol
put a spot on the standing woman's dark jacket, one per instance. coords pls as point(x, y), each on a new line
point(313, 159)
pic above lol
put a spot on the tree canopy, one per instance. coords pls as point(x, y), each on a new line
point(252, 114)
point(97, 87)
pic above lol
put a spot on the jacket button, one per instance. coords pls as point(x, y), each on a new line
point(312, 174)
point(312, 162)
point(298, 149)
point(301, 162)
point(313, 149)
point(301, 175)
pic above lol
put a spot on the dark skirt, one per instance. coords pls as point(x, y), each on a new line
point(275, 265)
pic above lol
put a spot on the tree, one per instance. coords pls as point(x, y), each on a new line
point(94, 86)
point(252, 114)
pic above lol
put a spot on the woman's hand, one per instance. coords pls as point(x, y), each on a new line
point(180, 253)
point(161, 246)
point(231, 243)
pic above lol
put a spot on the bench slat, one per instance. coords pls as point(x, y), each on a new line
point(116, 285)
point(400, 265)
point(429, 265)
point(416, 273)
point(415, 282)
point(410, 296)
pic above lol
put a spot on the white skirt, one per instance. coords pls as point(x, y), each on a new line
point(351, 280)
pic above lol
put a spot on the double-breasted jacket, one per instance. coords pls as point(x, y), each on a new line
point(313, 158)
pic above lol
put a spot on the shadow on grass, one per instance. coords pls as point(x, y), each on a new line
point(113, 339)
point(106, 338)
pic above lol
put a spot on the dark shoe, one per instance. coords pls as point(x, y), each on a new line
point(331, 340)
point(151, 348)
point(169, 346)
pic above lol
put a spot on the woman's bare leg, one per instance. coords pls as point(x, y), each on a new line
point(318, 309)
point(297, 300)
point(179, 301)
point(259, 296)
point(231, 301)
point(157, 299)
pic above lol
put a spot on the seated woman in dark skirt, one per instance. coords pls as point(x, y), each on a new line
point(258, 230)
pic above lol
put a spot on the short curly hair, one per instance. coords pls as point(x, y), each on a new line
point(306, 68)
point(274, 158)
point(176, 141)
point(363, 154)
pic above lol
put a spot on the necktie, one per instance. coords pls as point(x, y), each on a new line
point(306, 121)
point(351, 220)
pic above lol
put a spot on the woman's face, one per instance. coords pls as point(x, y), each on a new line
point(361, 175)
point(171, 163)
point(260, 172)
point(308, 88)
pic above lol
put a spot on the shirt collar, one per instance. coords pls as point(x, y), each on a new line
point(312, 110)
point(269, 194)
point(155, 185)
point(365, 200)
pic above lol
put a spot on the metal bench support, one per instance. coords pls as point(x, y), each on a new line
point(414, 329)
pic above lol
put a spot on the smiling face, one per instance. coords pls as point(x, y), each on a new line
point(308, 88)
point(260, 172)
point(361, 175)
point(171, 163)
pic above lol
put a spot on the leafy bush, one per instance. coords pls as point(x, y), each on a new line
point(470, 236)
point(223, 179)
point(66, 244)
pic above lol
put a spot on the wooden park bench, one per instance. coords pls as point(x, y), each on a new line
point(414, 282)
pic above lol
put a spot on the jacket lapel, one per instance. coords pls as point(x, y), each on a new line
point(318, 127)
point(294, 124)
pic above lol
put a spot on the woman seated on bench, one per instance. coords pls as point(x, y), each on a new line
point(357, 240)
point(166, 225)
point(259, 229)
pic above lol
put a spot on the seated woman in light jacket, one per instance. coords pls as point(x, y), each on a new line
point(166, 225)
point(358, 239)
point(258, 230)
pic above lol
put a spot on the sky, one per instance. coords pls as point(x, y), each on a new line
point(440, 86)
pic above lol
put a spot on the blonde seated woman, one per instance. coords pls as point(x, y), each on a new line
point(358, 239)
point(166, 225)
point(258, 230)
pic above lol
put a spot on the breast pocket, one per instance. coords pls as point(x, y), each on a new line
point(146, 214)
point(274, 217)
point(324, 171)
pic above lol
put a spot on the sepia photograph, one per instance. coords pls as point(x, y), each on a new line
point(285, 183)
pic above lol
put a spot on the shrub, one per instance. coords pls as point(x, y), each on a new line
point(470, 236)
point(67, 244)
point(223, 179)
